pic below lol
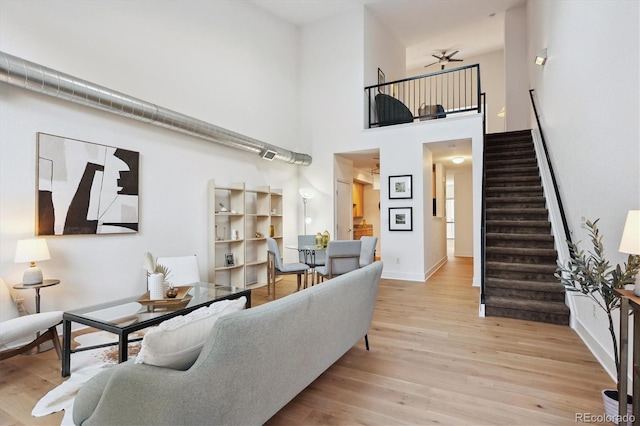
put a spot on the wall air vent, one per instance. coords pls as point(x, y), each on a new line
point(268, 154)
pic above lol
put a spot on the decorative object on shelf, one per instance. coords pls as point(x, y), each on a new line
point(234, 234)
point(318, 240)
point(630, 241)
point(591, 275)
point(325, 238)
point(306, 194)
point(74, 177)
point(32, 250)
point(156, 275)
point(400, 187)
point(272, 230)
point(222, 208)
point(400, 218)
point(172, 292)
point(259, 235)
point(229, 260)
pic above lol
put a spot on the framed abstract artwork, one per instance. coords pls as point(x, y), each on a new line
point(400, 219)
point(85, 188)
point(400, 187)
point(381, 79)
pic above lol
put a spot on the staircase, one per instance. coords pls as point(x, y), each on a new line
point(520, 254)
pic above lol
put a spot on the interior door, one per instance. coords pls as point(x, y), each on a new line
point(344, 209)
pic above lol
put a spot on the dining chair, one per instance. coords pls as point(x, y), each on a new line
point(312, 258)
point(18, 334)
point(368, 250)
point(275, 267)
point(342, 256)
point(183, 270)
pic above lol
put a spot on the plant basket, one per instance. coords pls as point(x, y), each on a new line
point(610, 400)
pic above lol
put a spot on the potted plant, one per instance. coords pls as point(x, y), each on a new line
point(591, 275)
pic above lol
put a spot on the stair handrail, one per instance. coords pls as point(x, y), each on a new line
point(556, 189)
point(483, 231)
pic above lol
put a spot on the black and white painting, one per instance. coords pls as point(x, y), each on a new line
point(85, 188)
point(400, 219)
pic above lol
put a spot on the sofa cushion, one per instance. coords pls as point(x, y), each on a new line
point(176, 343)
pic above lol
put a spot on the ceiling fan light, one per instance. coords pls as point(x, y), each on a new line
point(457, 160)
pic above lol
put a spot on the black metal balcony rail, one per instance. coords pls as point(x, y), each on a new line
point(425, 97)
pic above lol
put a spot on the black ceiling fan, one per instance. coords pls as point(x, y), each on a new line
point(444, 59)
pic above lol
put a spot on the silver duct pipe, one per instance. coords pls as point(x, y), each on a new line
point(37, 78)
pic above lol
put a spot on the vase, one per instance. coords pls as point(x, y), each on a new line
point(155, 284)
point(610, 401)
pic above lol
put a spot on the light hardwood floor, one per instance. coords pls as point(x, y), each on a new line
point(432, 360)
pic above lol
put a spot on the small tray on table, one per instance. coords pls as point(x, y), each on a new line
point(181, 299)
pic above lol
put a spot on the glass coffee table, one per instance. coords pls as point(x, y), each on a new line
point(125, 316)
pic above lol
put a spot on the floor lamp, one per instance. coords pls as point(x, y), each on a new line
point(306, 194)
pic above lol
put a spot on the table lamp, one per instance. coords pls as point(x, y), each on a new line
point(30, 251)
point(306, 193)
point(630, 242)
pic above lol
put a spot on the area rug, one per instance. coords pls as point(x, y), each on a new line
point(84, 365)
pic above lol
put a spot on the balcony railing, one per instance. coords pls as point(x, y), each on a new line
point(425, 97)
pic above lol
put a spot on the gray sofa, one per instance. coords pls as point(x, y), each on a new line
point(252, 364)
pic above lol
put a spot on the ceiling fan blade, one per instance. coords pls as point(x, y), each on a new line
point(431, 64)
point(451, 54)
point(437, 57)
point(456, 60)
point(441, 67)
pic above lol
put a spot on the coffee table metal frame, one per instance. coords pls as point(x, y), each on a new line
point(123, 331)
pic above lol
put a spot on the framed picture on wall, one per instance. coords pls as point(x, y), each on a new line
point(400, 187)
point(400, 219)
point(85, 188)
point(380, 80)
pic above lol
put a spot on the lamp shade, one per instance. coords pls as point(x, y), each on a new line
point(630, 242)
point(307, 193)
point(32, 250)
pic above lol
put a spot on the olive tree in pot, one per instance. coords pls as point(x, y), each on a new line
point(591, 275)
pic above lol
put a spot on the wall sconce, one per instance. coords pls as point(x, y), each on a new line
point(541, 59)
point(306, 194)
point(30, 251)
point(457, 160)
point(630, 241)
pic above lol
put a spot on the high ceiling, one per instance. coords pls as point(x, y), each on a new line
point(425, 27)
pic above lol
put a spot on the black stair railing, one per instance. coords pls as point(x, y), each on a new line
point(565, 224)
point(483, 225)
point(425, 97)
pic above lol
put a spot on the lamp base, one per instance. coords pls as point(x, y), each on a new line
point(33, 275)
point(636, 287)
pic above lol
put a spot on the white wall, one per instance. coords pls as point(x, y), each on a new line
point(463, 195)
point(515, 61)
point(240, 74)
point(595, 151)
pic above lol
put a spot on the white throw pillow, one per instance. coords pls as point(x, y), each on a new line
point(176, 343)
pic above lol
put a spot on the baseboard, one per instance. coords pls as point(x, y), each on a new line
point(601, 354)
point(435, 267)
